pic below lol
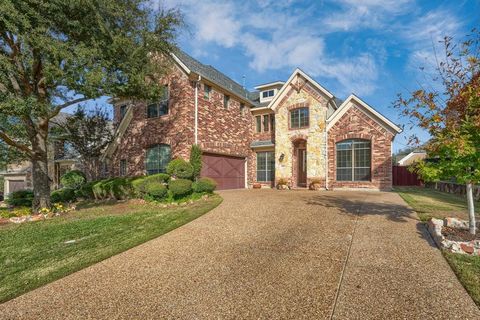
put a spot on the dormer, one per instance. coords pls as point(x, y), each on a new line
point(269, 90)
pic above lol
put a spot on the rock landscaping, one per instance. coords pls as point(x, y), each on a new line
point(452, 234)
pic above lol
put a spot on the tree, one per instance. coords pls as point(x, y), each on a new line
point(196, 160)
point(89, 133)
point(57, 53)
point(450, 111)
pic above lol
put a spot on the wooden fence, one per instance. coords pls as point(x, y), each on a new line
point(402, 177)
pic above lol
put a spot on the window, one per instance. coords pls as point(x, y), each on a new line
point(268, 94)
point(265, 166)
point(299, 118)
point(226, 99)
point(159, 108)
point(242, 109)
point(353, 160)
point(206, 91)
point(266, 123)
point(123, 110)
point(123, 167)
point(258, 123)
point(157, 158)
point(272, 122)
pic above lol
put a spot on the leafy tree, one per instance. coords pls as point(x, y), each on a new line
point(57, 53)
point(196, 160)
point(449, 109)
point(89, 133)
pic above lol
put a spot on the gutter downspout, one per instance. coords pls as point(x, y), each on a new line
point(196, 108)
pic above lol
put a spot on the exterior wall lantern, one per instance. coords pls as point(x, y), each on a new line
point(282, 156)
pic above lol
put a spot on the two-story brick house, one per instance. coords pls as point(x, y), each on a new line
point(294, 130)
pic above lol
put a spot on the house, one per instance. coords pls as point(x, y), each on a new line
point(293, 130)
point(61, 158)
point(411, 158)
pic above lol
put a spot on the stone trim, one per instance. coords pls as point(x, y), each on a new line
point(464, 247)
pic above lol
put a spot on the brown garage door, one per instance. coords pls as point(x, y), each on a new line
point(228, 172)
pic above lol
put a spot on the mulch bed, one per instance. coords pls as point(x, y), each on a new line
point(455, 234)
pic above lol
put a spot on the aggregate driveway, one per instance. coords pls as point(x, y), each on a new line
point(267, 254)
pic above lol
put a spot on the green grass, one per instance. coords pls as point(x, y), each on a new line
point(430, 203)
point(36, 253)
point(467, 269)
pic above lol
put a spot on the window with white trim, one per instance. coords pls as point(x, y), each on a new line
point(265, 166)
point(353, 160)
point(268, 94)
point(160, 108)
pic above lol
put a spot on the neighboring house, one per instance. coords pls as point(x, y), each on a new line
point(61, 158)
point(294, 130)
point(411, 158)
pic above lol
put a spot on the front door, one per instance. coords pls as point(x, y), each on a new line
point(302, 168)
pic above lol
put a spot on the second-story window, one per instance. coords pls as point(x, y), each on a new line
point(226, 100)
point(159, 108)
point(272, 122)
point(266, 123)
point(206, 91)
point(268, 94)
point(258, 123)
point(299, 118)
point(242, 109)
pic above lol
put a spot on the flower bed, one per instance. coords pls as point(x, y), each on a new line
point(452, 234)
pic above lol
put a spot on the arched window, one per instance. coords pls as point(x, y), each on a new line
point(353, 160)
point(157, 158)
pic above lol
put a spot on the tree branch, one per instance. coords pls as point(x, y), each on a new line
point(15, 144)
point(59, 108)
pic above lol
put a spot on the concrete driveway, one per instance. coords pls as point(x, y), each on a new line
point(269, 254)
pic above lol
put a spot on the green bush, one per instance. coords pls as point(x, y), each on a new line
point(86, 191)
point(20, 198)
point(115, 188)
point(180, 169)
point(155, 191)
point(140, 183)
point(73, 179)
point(196, 160)
point(63, 195)
point(17, 212)
point(204, 185)
point(180, 188)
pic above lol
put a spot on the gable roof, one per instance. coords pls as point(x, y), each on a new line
point(278, 97)
point(377, 116)
point(411, 154)
point(189, 64)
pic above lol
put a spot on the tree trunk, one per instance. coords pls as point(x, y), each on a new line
point(41, 180)
point(471, 209)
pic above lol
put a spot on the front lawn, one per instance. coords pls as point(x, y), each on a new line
point(33, 254)
point(432, 203)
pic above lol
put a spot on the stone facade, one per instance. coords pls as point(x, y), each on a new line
point(356, 124)
point(313, 135)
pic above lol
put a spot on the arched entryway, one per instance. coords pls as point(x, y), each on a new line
point(299, 167)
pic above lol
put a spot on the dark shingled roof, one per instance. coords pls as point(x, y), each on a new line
point(214, 75)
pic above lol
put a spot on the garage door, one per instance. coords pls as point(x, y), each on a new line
point(15, 185)
point(228, 172)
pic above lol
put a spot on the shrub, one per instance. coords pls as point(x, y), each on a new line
point(86, 191)
point(20, 198)
point(17, 212)
point(73, 179)
point(155, 191)
point(63, 195)
point(204, 185)
point(139, 183)
point(180, 169)
point(180, 188)
point(115, 188)
point(196, 160)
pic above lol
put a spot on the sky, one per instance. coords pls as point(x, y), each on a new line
point(373, 48)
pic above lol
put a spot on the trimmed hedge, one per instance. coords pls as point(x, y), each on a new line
point(115, 188)
point(20, 198)
point(180, 169)
point(86, 191)
point(156, 191)
point(73, 179)
point(140, 184)
point(204, 185)
point(63, 195)
point(180, 188)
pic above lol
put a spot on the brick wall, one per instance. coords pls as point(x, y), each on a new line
point(356, 124)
